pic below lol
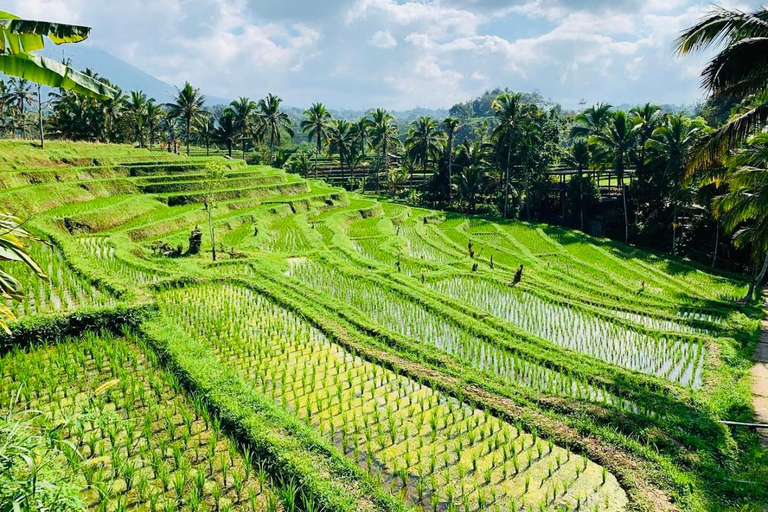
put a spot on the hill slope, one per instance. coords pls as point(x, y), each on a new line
point(376, 352)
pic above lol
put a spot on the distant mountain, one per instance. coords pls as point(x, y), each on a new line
point(127, 76)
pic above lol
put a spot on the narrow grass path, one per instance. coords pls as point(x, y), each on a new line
point(760, 375)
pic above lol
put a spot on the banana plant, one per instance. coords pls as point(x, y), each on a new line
point(13, 249)
point(19, 38)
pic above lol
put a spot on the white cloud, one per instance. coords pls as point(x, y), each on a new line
point(383, 39)
point(437, 51)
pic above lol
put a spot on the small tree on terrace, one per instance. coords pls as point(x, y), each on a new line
point(214, 174)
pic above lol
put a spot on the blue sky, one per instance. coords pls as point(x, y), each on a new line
point(400, 54)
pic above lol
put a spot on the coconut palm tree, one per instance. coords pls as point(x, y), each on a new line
point(384, 137)
point(187, 104)
point(361, 134)
point(315, 125)
point(340, 141)
point(274, 122)
point(424, 141)
point(472, 181)
point(137, 109)
point(511, 112)
point(450, 124)
point(153, 114)
point(591, 121)
point(578, 157)
point(646, 119)
point(225, 131)
point(205, 126)
point(112, 108)
point(672, 142)
point(245, 113)
point(615, 143)
point(21, 94)
point(739, 70)
point(744, 209)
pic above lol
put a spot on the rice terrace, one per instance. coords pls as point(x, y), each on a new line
point(247, 308)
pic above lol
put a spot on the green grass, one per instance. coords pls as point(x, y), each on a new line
point(374, 354)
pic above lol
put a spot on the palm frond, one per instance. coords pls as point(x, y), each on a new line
point(721, 26)
point(739, 70)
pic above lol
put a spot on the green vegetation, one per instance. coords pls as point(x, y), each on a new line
point(315, 348)
point(367, 355)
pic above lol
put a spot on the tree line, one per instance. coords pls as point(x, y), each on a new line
point(680, 182)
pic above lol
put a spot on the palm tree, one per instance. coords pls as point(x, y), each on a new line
point(579, 158)
point(340, 141)
point(244, 111)
point(451, 124)
point(384, 136)
point(137, 108)
point(225, 131)
point(510, 112)
point(315, 125)
point(616, 143)
point(646, 119)
point(361, 134)
point(672, 141)
point(471, 183)
point(424, 140)
point(591, 121)
point(187, 105)
point(738, 71)
point(153, 113)
point(112, 108)
point(744, 209)
point(204, 126)
point(274, 122)
point(20, 93)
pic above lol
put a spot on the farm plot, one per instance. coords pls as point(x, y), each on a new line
point(63, 291)
point(674, 360)
point(429, 448)
point(129, 436)
point(419, 249)
point(103, 252)
point(416, 322)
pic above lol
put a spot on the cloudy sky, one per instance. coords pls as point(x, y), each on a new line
point(400, 53)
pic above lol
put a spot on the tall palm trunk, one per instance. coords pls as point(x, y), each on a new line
point(317, 153)
point(581, 201)
point(450, 168)
point(758, 279)
point(674, 227)
point(23, 124)
point(506, 180)
point(527, 194)
point(626, 216)
point(189, 122)
point(40, 115)
point(717, 243)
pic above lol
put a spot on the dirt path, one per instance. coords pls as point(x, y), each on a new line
point(760, 374)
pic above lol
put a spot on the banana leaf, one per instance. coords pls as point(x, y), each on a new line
point(23, 36)
point(45, 71)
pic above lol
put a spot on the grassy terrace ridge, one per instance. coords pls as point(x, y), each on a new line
point(345, 355)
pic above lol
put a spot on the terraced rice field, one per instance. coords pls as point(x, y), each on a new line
point(130, 437)
point(345, 354)
point(421, 444)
